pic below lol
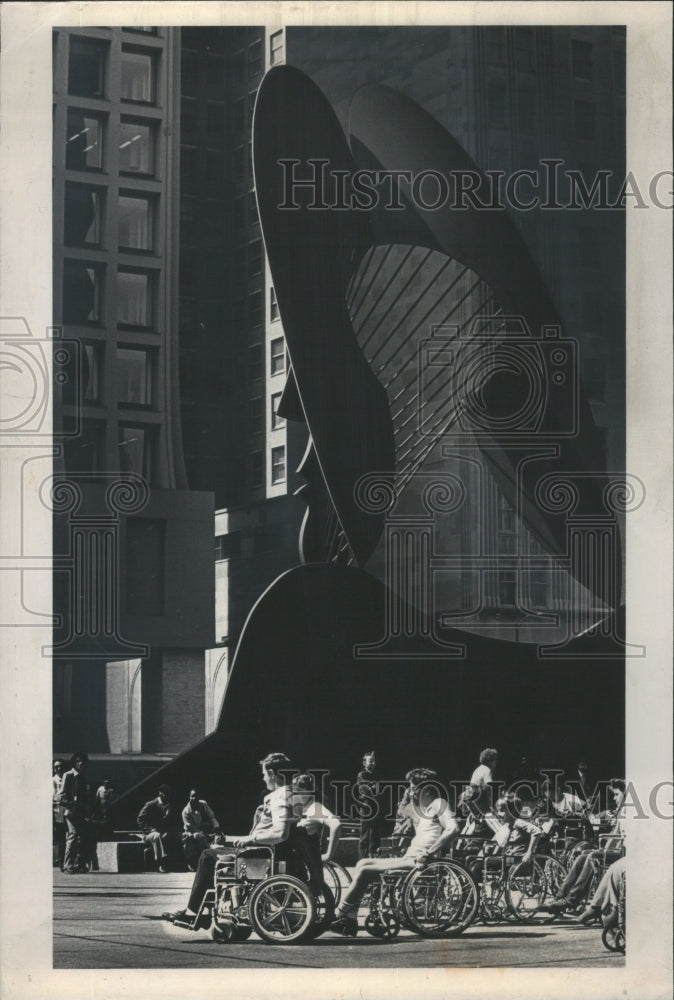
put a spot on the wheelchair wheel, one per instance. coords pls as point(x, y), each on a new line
point(613, 939)
point(532, 884)
point(440, 900)
point(282, 910)
point(384, 927)
point(337, 879)
point(325, 911)
point(222, 932)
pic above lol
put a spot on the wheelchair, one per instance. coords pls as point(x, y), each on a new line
point(439, 900)
point(254, 891)
point(615, 937)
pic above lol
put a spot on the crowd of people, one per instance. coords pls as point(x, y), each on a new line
point(423, 825)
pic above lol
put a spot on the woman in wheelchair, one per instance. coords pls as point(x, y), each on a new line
point(434, 826)
point(271, 826)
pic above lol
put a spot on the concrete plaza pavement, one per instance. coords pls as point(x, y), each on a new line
point(105, 921)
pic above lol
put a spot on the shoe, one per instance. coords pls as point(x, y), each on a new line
point(347, 926)
point(589, 914)
point(162, 867)
point(73, 871)
point(557, 906)
point(181, 918)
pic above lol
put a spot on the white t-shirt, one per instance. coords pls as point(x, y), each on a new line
point(313, 816)
point(569, 805)
point(504, 834)
point(429, 823)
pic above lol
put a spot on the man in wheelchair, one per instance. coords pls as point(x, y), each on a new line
point(434, 825)
point(272, 825)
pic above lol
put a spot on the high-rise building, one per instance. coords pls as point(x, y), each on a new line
point(134, 573)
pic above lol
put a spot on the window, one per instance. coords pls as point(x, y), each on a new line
point(255, 469)
point(255, 316)
point(137, 81)
point(82, 216)
point(86, 68)
point(273, 305)
point(81, 292)
point(135, 148)
point(584, 115)
point(135, 223)
point(91, 373)
point(133, 299)
point(215, 168)
point(256, 415)
point(507, 589)
point(255, 362)
point(133, 377)
point(215, 71)
point(227, 546)
point(581, 59)
point(135, 452)
point(239, 66)
point(276, 48)
point(84, 453)
point(496, 100)
point(278, 356)
point(84, 142)
point(278, 464)
point(255, 58)
point(255, 257)
point(276, 421)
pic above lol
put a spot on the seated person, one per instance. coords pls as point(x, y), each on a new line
point(509, 827)
point(563, 804)
point(157, 823)
point(435, 826)
point(312, 818)
point(575, 887)
point(606, 899)
point(198, 822)
point(271, 827)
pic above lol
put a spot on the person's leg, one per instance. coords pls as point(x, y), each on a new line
point(203, 879)
point(365, 872)
point(153, 838)
point(70, 855)
point(579, 890)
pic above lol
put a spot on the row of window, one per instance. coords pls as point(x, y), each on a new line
point(277, 359)
point(256, 467)
point(85, 214)
point(84, 289)
point(88, 138)
point(134, 374)
point(212, 71)
point(136, 449)
point(582, 55)
point(584, 112)
point(88, 71)
point(256, 414)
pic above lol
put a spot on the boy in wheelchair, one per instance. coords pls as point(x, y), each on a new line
point(271, 827)
point(434, 825)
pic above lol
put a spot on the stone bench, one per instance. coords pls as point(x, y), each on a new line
point(123, 855)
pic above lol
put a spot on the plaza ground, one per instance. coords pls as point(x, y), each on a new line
point(106, 921)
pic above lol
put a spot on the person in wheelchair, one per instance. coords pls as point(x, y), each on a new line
point(606, 899)
point(576, 886)
point(271, 826)
point(509, 827)
point(312, 819)
point(434, 825)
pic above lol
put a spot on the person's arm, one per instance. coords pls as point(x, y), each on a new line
point(334, 826)
point(210, 815)
point(188, 825)
point(275, 833)
point(145, 818)
point(535, 834)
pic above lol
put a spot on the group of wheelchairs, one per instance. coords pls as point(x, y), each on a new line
point(286, 901)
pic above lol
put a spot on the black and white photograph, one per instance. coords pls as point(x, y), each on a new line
point(335, 422)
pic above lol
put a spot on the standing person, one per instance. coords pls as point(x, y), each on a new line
point(58, 810)
point(476, 798)
point(271, 826)
point(198, 822)
point(366, 797)
point(156, 821)
point(434, 825)
point(76, 815)
point(105, 798)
